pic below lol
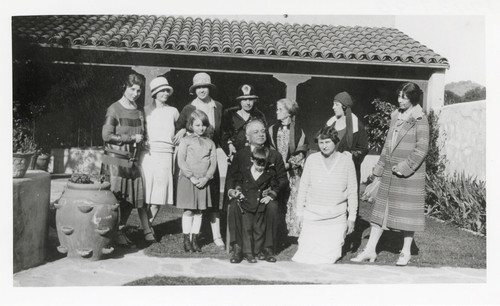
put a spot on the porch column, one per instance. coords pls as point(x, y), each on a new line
point(149, 73)
point(434, 99)
point(291, 81)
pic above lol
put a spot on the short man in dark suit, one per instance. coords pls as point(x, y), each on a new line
point(254, 179)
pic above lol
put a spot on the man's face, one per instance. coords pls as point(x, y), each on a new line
point(256, 134)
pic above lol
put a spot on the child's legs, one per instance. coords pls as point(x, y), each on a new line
point(259, 231)
point(195, 229)
point(247, 221)
point(187, 221)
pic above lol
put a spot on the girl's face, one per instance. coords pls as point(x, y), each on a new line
point(247, 104)
point(337, 108)
point(198, 127)
point(281, 112)
point(202, 93)
point(404, 102)
point(133, 92)
point(162, 96)
point(327, 146)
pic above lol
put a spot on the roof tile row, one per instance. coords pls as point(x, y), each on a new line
point(168, 33)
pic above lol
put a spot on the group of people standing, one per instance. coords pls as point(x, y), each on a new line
point(272, 175)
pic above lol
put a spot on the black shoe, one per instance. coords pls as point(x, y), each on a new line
point(187, 244)
point(194, 243)
point(268, 252)
point(250, 258)
point(237, 256)
point(261, 256)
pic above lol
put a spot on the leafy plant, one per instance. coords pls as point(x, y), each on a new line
point(22, 138)
point(378, 124)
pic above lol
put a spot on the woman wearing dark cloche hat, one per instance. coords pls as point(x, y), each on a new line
point(235, 119)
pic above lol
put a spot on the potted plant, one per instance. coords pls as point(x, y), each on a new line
point(86, 217)
point(24, 147)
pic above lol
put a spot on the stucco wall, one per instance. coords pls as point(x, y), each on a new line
point(463, 136)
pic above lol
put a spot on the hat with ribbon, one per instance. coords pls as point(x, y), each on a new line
point(201, 79)
point(246, 92)
point(158, 84)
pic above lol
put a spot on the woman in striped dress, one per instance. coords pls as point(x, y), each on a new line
point(327, 202)
point(399, 204)
point(123, 133)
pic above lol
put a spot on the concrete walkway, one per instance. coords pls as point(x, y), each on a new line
point(127, 267)
point(132, 266)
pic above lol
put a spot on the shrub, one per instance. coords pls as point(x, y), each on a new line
point(460, 199)
point(378, 124)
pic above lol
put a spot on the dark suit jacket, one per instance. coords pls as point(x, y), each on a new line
point(240, 177)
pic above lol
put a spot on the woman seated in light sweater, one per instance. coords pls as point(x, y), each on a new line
point(327, 201)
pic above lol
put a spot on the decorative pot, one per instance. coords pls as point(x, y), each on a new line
point(21, 162)
point(86, 220)
point(42, 162)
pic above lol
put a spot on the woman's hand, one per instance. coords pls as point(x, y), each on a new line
point(194, 180)
point(232, 149)
point(202, 182)
point(177, 137)
point(138, 138)
point(350, 227)
point(396, 171)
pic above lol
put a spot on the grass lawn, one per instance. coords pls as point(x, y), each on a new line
point(441, 244)
point(207, 281)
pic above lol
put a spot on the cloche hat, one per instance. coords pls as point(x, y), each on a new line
point(201, 79)
point(158, 84)
point(246, 92)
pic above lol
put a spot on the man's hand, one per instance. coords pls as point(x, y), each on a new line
point(234, 193)
point(266, 199)
point(350, 227)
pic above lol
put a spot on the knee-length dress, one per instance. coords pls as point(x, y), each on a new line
point(327, 198)
point(118, 133)
point(197, 157)
point(399, 204)
point(157, 162)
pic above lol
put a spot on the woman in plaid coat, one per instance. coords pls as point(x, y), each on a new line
point(399, 204)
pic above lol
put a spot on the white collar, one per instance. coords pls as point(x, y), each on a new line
point(332, 120)
point(197, 103)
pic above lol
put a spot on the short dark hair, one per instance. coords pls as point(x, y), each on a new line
point(260, 154)
point(133, 79)
point(328, 132)
point(411, 91)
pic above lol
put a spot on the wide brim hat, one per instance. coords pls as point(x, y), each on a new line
point(158, 84)
point(246, 91)
point(201, 79)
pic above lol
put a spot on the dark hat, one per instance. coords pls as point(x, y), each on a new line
point(344, 98)
point(246, 92)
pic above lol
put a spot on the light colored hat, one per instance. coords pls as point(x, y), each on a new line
point(246, 92)
point(201, 79)
point(158, 84)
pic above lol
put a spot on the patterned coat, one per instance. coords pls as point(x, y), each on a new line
point(399, 203)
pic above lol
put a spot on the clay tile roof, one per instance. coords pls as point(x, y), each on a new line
point(223, 37)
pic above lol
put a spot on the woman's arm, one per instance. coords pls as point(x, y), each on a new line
point(181, 159)
point(304, 186)
point(109, 132)
point(213, 160)
point(408, 166)
point(352, 191)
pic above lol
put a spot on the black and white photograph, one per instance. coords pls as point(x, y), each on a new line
point(239, 154)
